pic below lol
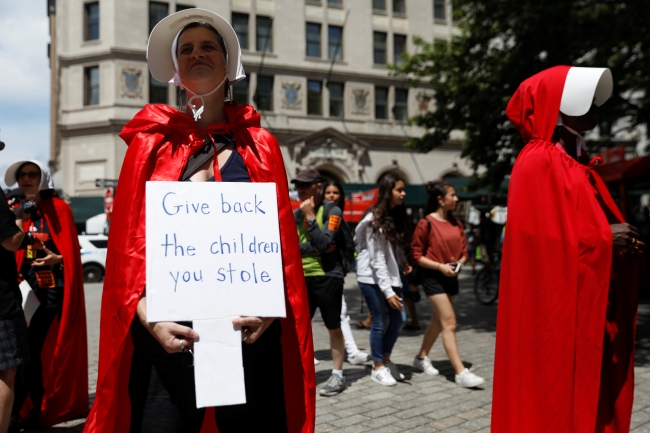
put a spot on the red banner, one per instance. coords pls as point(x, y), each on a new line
point(355, 206)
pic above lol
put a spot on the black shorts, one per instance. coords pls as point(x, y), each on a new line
point(326, 293)
point(14, 350)
point(435, 283)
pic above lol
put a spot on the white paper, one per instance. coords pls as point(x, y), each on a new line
point(30, 301)
point(213, 250)
point(218, 365)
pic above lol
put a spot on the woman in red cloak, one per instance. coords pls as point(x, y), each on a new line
point(564, 352)
point(144, 381)
point(55, 380)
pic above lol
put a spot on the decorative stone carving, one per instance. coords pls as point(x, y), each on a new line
point(291, 97)
point(361, 105)
point(131, 83)
point(329, 148)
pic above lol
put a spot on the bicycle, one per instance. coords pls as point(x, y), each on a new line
point(486, 283)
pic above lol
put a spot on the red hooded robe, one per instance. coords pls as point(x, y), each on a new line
point(65, 351)
point(555, 281)
point(160, 140)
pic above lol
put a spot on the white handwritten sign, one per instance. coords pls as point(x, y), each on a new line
point(213, 251)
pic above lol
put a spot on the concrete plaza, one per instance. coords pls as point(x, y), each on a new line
point(422, 403)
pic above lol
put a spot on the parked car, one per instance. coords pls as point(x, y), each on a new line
point(93, 257)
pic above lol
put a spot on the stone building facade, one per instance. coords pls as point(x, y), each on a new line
point(317, 72)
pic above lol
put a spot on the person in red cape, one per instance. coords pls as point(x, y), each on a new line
point(565, 328)
point(144, 381)
point(54, 385)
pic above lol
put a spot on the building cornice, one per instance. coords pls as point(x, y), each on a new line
point(103, 55)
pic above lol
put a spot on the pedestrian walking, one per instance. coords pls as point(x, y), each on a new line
point(14, 350)
point(334, 193)
point(439, 247)
point(379, 256)
point(146, 379)
point(318, 224)
point(566, 322)
point(49, 260)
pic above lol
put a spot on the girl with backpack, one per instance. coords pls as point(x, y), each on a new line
point(439, 247)
point(333, 192)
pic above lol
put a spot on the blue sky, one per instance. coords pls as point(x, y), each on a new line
point(24, 82)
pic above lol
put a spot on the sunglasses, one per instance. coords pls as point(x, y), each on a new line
point(29, 174)
point(303, 185)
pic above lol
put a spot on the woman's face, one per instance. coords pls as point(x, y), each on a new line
point(201, 60)
point(332, 194)
point(586, 122)
point(397, 194)
point(448, 202)
point(29, 179)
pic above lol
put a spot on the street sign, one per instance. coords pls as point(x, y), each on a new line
point(105, 183)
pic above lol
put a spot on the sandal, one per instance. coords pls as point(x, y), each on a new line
point(410, 327)
point(361, 325)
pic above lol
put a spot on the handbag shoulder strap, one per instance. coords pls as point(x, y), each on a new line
point(205, 153)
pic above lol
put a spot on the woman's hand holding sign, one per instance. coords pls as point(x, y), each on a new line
point(252, 327)
point(172, 337)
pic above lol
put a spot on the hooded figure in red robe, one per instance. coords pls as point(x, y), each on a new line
point(161, 141)
point(56, 377)
point(563, 323)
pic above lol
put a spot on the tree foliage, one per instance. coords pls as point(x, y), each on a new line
point(502, 42)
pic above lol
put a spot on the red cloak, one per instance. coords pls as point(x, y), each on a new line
point(160, 140)
point(65, 352)
point(555, 282)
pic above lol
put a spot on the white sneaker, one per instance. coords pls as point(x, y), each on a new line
point(425, 365)
point(359, 358)
point(468, 379)
point(383, 377)
point(316, 361)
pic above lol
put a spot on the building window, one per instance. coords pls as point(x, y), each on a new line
point(240, 91)
point(399, 47)
point(157, 11)
point(240, 24)
point(439, 9)
point(313, 40)
point(91, 85)
point(315, 98)
point(335, 2)
point(399, 6)
point(336, 99)
point(157, 91)
point(379, 48)
point(91, 21)
point(400, 110)
point(379, 5)
point(334, 42)
point(264, 40)
point(264, 93)
point(182, 7)
point(381, 102)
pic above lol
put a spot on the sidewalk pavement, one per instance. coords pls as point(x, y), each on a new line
point(422, 403)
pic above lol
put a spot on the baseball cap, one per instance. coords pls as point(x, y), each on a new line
point(308, 176)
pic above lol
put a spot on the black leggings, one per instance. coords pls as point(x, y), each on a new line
point(161, 388)
point(32, 385)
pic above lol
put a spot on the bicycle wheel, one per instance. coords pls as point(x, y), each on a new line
point(486, 286)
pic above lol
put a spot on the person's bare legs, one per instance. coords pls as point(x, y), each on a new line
point(444, 311)
point(337, 343)
point(7, 378)
point(431, 333)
